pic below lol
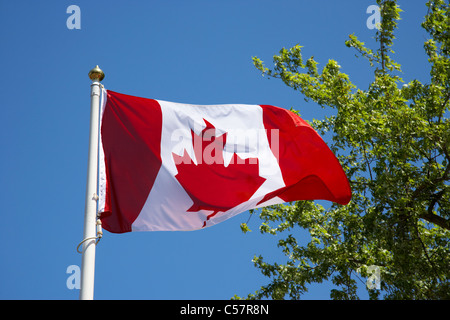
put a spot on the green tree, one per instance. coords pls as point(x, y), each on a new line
point(393, 141)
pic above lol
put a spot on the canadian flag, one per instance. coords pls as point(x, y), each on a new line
point(171, 166)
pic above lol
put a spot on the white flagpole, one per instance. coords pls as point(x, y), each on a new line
point(90, 209)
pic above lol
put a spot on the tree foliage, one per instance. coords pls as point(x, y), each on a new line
point(393, 141)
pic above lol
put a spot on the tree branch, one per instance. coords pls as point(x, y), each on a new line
point(426, 185)
point(426, 253)
point(435, 219)
point(367, 161)
point(443, 107)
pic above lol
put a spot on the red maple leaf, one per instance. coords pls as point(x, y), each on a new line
point(210, 184)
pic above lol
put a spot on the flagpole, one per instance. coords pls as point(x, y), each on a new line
point(90, 209)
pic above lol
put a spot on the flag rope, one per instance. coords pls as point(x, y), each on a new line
point(97, 238)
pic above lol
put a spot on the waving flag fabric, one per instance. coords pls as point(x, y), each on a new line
point(171, 166)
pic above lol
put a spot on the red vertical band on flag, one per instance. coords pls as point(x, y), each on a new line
point(310, 169)
point(131, 137)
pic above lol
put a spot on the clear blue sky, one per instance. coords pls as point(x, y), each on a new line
point(183, 51)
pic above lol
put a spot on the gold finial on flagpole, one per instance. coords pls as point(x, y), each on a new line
point(96, 74)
